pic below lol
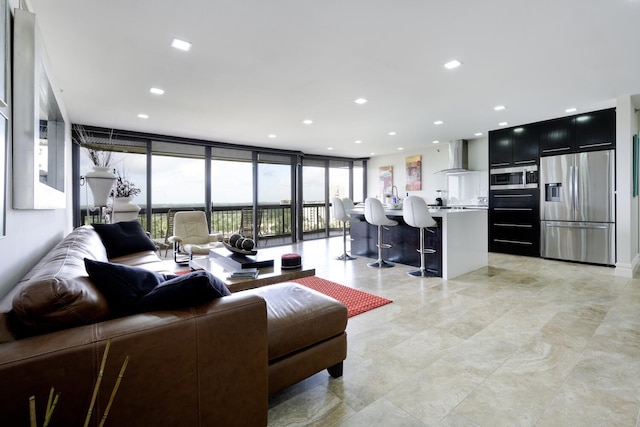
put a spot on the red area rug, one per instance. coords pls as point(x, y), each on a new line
point(356, 301)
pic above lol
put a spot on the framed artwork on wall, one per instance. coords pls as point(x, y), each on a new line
point(386, 180)
point(414, 173)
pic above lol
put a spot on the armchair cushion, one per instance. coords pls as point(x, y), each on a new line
point(202, 249)
point(124, 238)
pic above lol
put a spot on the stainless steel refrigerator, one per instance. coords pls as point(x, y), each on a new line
point(577, 207)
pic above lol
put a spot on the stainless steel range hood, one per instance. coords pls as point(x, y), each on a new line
point(458, 158)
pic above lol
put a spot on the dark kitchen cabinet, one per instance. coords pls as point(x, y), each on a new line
point(525, 145)
point(596, 130)
point(514, 222)
point(584, 132)
point(557, 136)
point(500, 148)
point(404, 241)
point(513, 147)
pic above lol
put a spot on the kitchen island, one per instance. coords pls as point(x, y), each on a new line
point(460, 241)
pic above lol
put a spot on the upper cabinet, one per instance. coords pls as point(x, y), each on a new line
point(584, 132)
point(525, 145)
point(513, 147)
point(500, 148)
point(596, 131)
point(556, 136)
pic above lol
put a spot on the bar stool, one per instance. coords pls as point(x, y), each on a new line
point(340, 214)
point(348, 204)
point(416, 214)
point(374, 214)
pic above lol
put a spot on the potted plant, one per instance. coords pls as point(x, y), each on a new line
point(123, 207)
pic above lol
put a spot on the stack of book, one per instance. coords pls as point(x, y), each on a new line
point(247, 273)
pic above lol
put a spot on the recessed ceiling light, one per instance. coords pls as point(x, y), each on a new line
point(400, 148)
point(452, 64)
point(436, 142)
point(156, 91)
point(271, 135)
point(307, 122)
point(143, 116)
point(571, 110)
point(372, 154)
point(181, 44)
point(329, 148)
point(438, 122)
point(503, 124)
point(357, 142)
point(392, 133)
point(478, 134)
point(361, 101)
point(499, 107)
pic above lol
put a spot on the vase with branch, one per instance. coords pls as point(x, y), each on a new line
point(100, 179)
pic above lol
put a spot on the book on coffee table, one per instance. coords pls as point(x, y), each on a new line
point(238, 262)
point(249, 273)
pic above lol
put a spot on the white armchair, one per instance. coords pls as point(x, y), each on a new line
point(191, 236)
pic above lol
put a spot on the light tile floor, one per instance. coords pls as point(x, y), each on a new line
point(522, 342)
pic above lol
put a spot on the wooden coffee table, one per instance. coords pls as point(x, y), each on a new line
point(266, 276)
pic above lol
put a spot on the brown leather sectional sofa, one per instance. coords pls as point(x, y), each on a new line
point(210, 365)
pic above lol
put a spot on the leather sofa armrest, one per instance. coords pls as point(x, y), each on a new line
point(187, 367)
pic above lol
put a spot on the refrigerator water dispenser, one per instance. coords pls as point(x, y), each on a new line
point(553, 192)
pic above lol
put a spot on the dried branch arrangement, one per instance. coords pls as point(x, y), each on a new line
point(53, 401)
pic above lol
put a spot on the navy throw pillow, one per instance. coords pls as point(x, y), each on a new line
point(124, 238)
point(121, 285)
point(188, 290)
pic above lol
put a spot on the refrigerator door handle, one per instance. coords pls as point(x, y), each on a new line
point(572, 199)
point(576, 225)
point(576, 190)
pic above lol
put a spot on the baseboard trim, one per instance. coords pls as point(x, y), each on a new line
point(628, 270)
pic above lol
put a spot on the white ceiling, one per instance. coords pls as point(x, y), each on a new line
point(261, 67)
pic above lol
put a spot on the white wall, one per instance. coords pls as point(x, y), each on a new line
point(30, 233)
point(435, 157)
point(626, 205)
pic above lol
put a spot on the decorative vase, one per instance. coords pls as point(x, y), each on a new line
point(100, 181)
point(124, 209)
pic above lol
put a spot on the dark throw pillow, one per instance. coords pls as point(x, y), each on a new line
point(121, 285)
point(124, 238)
point(184, 291)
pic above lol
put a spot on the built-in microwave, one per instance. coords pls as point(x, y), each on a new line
point(514, 178)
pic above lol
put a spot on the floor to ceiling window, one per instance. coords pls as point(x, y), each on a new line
point(178, 183)
point(275, 199)
point(232, 191)
point(314, 195)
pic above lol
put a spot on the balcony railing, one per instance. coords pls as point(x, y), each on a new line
point(274, 220)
